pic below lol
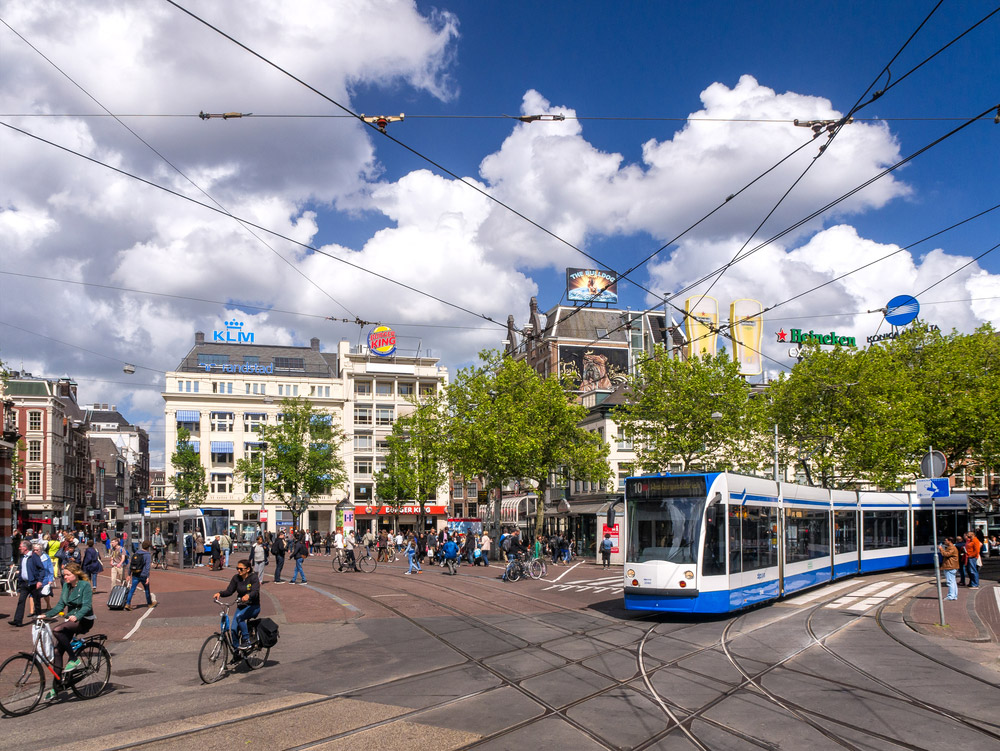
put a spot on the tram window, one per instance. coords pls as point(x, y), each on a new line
point(666, 530)
point(885, 529)
point(713, 559)
point(845, 531)
point(923, 531)
point(735, 540)
point(759, 541)
point(807, 534)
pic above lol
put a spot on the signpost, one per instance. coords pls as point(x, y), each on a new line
point(933, 464)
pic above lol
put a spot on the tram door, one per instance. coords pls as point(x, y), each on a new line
point(753, 554)
point(737, 593)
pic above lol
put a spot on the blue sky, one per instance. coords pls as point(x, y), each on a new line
point(618, 182)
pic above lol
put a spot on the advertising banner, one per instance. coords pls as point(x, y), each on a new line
point(613, 531)
point(591, 285)
point(747, 327)
point(700, 325)
point(593, 367)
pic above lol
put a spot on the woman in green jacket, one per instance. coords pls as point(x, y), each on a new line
point(76, 604)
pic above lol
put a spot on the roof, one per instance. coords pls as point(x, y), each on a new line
point(107, 416)
point(27, 388)
point(583, 323)
point(315, 364)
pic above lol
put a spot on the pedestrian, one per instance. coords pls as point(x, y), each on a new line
point(327, 543)
point(349, 544)
point(299, 553)
point(199, 549)
point(962, 559)
point(55, 545)
point(140, 567)
point(973, 548)
point(606, 546)
point(949, 564)
point(118, 560)
point(216, 548)
point(50, 577)
point(258, 558)
point(92, 565)
point(411, 556)
point(278, 552)
point(450, 552)
point(485, 544)
point(226, 543)
point(30, 580)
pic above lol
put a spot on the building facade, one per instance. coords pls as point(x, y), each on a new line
point(122, 450)
point(224, 392)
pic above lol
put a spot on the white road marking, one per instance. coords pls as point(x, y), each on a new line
point(567, 571)
point(597, 582)
point(139, 622)
point(996, 594)
point(809, 597)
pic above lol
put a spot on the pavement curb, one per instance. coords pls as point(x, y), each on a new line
point(926, 629)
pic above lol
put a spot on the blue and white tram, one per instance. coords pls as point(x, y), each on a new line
point(713, 543)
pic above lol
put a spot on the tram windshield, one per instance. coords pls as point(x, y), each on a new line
point(664, 529)
point(216, 522)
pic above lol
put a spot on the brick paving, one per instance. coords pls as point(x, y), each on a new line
point(973, 617)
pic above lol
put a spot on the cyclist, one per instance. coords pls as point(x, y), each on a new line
point(246, 585)
point(158, 546)
point(76, 603)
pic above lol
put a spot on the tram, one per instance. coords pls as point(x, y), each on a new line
point(718, 542)
point(180, 527)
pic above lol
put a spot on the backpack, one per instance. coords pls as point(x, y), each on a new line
point(137, 565)
point(505, 545)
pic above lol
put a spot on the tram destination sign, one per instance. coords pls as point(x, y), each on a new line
point(685, 486)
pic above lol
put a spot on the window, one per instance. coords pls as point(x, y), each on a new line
point(470, 490)
point(222, 387)
point(34, 420)
point(383, 388)
point(362, 415)
point(363, 467)
point(428, 389)
point(885, 529)
point(34, 451)
point(34, 482)
point(621, 481)
point(472, 511)
point(252, 421)
point(459, 511)
point(362, 492)
point(379, 464)
point(289, 363)
point(251, 360)
point(807, 534)
point(383, 416)
point(256, 388)
point(949, 524)
point(222, 458)
point(602, 333)
point(404, 389)
point(188, 387)
point(363, 443)
point(714, 555)
point(319, 391)
point(459, 491)
point(382, 445)
point(207, 359)
point(845, 531)
point(363, 388)
point(222, 483)
point(222, 422)
point(288, 389)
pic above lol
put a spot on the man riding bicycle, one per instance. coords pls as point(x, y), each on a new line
point(246, 586)
point(159, 548)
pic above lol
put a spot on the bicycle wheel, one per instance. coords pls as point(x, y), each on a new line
point(513, 572)
point(95, 672)
point(338, 562)
point(213, 658)
point(390, 555)
point(535, 569)
point(256, 657)
point(367, 564)
point(21, 685)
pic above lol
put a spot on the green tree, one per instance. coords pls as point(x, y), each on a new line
point(850, 417)
point(697, 412)
point(302, 458)
point(189, 482)
point(415, 464)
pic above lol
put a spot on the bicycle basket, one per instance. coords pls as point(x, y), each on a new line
point(267, 632)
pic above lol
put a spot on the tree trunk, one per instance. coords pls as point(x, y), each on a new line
point(540, 507)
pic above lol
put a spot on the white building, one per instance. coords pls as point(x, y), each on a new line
point(223, 392)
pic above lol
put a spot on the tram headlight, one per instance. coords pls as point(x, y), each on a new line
point(630, 573)
point(689, 574)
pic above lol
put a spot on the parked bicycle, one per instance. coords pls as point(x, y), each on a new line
point(214, 658)
point(516, 569)
point(363, 561)
point(23, 676)
point(537, 568)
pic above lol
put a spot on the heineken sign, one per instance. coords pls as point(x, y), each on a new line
point(797, 336)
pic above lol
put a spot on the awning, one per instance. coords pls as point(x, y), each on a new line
point(222, 414)
point(222, 447)
point(196, 445)
point(255, 415)
point(510, 508)
point(188, 415)
point(592, 507)
point(248, 444)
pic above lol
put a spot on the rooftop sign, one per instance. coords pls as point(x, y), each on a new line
point(797, 336)
point(382, 341)
point(591, 285)
point(233, 334)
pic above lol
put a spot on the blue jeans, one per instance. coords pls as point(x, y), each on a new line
point(239, 621)
point(973, 572)
point(298, 571)
point(949, 575)
point(135, 584)
point(226, 553)
point(414, 565)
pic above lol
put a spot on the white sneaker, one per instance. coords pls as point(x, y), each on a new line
point(406, 573)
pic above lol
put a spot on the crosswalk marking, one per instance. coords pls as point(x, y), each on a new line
point(802, 599)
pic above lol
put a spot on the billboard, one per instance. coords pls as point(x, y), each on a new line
point(747, 327)
point(594, 367)
point(700, 325)
point(591, 285)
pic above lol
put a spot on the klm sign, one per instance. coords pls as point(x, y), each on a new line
point(233, 334)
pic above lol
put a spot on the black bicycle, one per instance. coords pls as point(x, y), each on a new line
point(23, 676)
point(214, 661)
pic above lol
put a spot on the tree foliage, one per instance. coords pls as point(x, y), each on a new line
point(697, 412)
point(302, 459)
point(189, 482)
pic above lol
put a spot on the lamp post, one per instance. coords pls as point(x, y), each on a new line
point(263, 513)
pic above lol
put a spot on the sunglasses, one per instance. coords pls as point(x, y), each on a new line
point(241, 568)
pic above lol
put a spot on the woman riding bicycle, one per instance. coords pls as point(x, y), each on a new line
point(246, 585)
point(76, 604)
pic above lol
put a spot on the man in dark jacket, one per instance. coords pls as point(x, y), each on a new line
point(299, 554)
point(278, 552)
point(30, 580)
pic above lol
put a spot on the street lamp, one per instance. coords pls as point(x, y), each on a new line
point(263, 458)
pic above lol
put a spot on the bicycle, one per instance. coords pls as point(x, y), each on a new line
point(213, 659)
point(364, 563)
point(537, 568)
point(160, 558)
point(22, 677)
point(516, 569)
point(387, 554)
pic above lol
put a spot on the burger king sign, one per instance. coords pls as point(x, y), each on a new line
point(382, 341)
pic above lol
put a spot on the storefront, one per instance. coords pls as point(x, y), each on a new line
point(402, 519)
